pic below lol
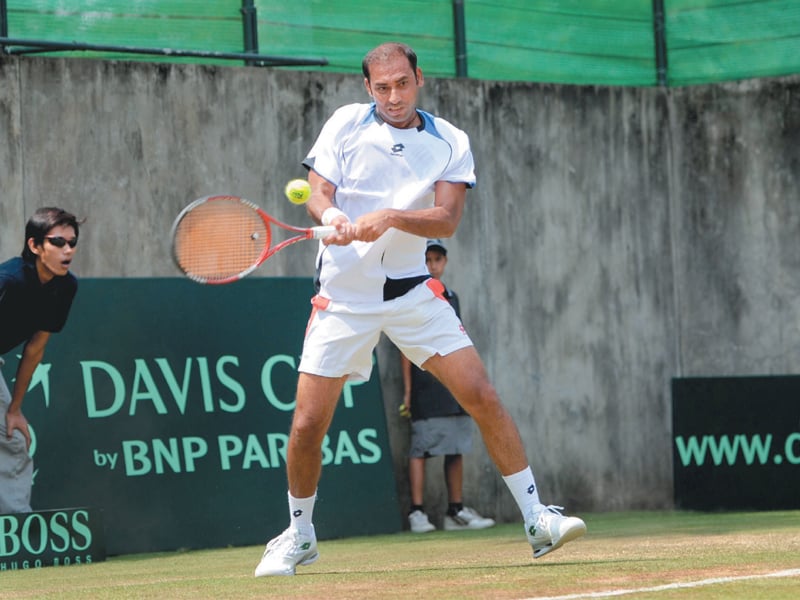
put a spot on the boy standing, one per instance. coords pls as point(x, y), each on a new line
point(439, 427)
point(36, 293)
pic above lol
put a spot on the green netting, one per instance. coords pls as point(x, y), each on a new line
point(345, 30)
point(586, 42)
point(179, 24)
point(561, 41)
point(718, 40)
point(557, 41)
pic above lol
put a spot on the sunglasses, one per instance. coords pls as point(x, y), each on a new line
point(60, 242)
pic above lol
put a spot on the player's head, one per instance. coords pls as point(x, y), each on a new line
point(393, 79)
point(384, 52)
point(51, 236)
point(436, 258)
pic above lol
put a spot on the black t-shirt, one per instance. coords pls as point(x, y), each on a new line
point(27, 306)
point(429, 398)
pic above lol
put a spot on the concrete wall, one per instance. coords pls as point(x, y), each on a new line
point(617, 238)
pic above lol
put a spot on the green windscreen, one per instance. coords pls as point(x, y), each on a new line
point(201, 25)
point(590, 41)
point(587, 42)
point(718, 40)
point(569, 41)
point(343, 31)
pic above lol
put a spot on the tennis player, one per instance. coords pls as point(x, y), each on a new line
point(389, 177)
point(36, 293)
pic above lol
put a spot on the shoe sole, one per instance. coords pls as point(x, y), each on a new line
point(466, 527)
point(571, 534)
point(310, 559)
point(306, 561)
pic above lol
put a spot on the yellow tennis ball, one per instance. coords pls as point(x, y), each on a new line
point(298, 191)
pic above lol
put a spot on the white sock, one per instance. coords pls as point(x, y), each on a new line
point(301, 511)
point(523, 488)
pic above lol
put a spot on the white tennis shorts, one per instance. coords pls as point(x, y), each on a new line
point(340, 338)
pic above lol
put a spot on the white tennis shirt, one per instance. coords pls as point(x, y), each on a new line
point(374, 166)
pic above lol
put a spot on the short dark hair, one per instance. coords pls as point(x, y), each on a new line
point(386, 50)
point(40, 224)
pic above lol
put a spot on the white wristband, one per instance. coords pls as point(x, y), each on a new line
point(329, 214)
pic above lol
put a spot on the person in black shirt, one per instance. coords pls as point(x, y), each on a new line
point(36, 293)
point(439, 427)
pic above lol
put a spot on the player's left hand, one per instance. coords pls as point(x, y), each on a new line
point(371, 226)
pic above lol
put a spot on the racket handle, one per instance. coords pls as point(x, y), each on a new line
point(322, 231)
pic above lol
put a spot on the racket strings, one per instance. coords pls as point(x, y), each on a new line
point(220, 239)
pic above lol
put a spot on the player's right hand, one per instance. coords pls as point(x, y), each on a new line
point(345, 233)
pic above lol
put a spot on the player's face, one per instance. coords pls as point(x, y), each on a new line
point(54, 254)
point(394, 86)
point(436, 262)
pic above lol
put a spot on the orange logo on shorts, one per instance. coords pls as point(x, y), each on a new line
point(437, 287)
point(318, 303)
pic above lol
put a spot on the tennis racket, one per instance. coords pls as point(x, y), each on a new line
point(220, 239)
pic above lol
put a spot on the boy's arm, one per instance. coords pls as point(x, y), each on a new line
point(31, 357)
point(405, 367)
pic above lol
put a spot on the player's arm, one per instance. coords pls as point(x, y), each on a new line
point(31, 357)
point(440, 221)
point(405, 368)
point(320, 201)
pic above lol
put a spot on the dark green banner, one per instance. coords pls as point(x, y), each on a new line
point(167, 404)
point(736, 442)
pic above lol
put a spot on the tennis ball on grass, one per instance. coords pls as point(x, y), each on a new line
point(298, 191)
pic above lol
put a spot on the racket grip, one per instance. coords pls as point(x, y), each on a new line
point(322, 231)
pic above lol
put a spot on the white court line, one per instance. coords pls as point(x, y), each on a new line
point(670, 586)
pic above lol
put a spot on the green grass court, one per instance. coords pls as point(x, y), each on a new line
point(652, 555)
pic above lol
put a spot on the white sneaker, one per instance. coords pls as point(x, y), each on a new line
point(467, 518)
point(285, 552)
point(547, 529)
point(419, 522)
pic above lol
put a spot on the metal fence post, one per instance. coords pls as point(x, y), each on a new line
point(250, 26)
point(660, 35)
point(460, 34)
point(3, 24)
